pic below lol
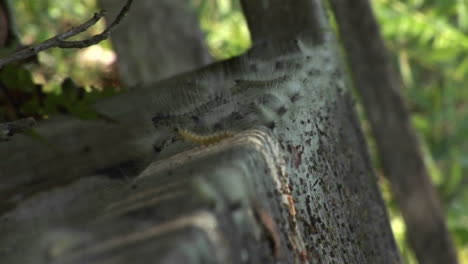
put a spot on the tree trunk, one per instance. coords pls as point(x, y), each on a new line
point(399, 148)
point(293, 183)
point(160, 39)
point(8, 36)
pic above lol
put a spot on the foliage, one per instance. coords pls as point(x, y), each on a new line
point(224, 26)
point(43, 86)
point(429, 42)
point(23, 98)
point(37, 21)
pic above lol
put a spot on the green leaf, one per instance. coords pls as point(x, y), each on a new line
point(17, 77)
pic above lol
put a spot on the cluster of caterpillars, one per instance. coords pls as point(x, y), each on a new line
point(267, 110)
point(220, 100)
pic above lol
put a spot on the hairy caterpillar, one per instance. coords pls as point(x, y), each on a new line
point(204, 139)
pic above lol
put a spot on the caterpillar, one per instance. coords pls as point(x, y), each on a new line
point(204, 139)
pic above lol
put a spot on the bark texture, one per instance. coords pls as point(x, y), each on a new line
point(157, 40)
point(399, 149)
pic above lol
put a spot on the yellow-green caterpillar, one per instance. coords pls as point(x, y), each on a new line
point(204, 139)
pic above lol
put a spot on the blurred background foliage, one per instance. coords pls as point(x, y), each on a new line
point(427, 39)
point(224, 26)
point(37, 21)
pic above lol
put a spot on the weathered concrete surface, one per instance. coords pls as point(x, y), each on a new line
point(294, 89)
point(334, 208)
point(179, 209)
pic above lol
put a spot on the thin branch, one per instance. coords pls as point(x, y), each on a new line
point(59, 41)
point(7, 130)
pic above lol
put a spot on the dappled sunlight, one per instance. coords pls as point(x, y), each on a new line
point(224, 26)
point(95, 55)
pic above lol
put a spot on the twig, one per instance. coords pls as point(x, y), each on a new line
point(7, 130)
point(59, 40)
